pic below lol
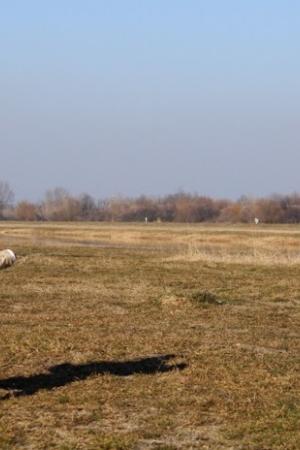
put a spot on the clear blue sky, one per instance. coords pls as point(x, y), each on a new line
point(148, 97)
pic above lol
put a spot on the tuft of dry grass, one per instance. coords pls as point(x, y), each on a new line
point(188, 342)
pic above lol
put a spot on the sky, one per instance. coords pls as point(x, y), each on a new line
point(150, 97)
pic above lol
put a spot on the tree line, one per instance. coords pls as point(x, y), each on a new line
point(59, 205)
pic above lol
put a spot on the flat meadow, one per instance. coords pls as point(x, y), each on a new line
point(150, 336)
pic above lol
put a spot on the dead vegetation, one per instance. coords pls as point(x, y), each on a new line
point(157, 347)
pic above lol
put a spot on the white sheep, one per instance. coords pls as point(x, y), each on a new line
point(7, 258)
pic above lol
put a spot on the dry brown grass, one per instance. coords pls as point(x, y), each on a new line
point(188, 342)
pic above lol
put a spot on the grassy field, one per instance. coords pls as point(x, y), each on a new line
point(150, 336)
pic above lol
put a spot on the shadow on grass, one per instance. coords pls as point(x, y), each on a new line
point(67, 373)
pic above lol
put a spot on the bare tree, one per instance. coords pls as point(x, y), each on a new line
point(6, 196)
point(60, 205)
point(87, 207)
point(27, 211)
